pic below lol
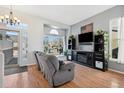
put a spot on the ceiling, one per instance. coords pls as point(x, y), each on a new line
point(67, 14)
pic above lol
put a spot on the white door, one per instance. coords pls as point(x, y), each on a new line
point(23, 48)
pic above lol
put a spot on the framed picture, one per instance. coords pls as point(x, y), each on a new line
point(87, 28)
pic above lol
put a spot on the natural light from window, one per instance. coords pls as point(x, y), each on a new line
point(54, 32)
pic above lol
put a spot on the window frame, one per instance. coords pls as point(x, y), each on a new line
point(110, 38)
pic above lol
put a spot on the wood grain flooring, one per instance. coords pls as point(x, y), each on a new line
point(85, 77)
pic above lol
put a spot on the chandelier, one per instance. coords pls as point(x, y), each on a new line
point(10, 19)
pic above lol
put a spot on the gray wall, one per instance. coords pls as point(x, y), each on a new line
point(101, 21)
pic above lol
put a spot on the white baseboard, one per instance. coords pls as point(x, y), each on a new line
point(28, 64)
point(116, 71)
point(31, 64)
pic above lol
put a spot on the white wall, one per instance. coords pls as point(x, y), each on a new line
point(35, 30)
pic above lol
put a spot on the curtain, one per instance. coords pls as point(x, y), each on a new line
point(121, 43)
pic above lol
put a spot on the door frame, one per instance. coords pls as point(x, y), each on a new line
point(12, 30)
point(18, 41)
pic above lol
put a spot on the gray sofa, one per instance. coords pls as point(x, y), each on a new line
point(36, 57)
point(55, 71)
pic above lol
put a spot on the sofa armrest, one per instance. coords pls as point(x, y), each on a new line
point(68, 66)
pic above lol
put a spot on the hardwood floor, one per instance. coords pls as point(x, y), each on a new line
point(85, 77)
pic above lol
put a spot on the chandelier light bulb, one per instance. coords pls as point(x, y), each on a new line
point(15, 18)
point(18, 21)
point(6, 16)
point(1, 17)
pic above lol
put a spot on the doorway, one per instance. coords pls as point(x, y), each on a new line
point(10, 46)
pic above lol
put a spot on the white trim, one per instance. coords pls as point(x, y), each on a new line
point(7, 48)
point(113, 59)
point(13, 30)
point(116, 71)
point(31, 64)
point(1, 69)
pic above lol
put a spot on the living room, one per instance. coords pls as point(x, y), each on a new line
point(70, 51)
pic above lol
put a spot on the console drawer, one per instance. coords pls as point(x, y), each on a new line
point(99, 64)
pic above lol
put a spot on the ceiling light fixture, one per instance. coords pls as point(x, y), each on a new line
point(10, 19)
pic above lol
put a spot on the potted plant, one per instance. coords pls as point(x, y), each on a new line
point(71, 36)
point(99, 32)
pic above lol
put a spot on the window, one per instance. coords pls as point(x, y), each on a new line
point(54, 32)
point(114, 38)
point(54, 44)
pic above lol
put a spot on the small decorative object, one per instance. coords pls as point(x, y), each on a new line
point(101, 40)
point(1, 37)
point(71, 36)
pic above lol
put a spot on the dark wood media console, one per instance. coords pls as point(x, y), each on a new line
point(83, 57)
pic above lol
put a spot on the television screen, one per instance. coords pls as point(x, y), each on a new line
point(85, 37)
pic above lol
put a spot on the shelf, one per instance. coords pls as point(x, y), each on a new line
point(99, 43)
point(99, 51)
point(99, 57)
point(98, 54)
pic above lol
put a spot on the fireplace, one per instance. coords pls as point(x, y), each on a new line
point(82, 57)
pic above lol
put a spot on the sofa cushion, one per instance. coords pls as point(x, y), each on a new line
point(55, 62)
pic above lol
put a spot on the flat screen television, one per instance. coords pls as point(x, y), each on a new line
point(85, 37)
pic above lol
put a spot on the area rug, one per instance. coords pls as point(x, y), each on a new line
point(14, 70)
point(12, 62)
